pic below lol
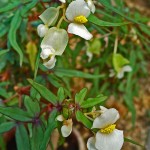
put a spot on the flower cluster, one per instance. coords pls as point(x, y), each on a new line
point(107, 137)
point(55, 39)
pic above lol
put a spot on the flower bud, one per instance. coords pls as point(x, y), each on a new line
point(42, 30)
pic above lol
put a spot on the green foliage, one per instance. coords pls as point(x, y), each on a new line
point(56, 91)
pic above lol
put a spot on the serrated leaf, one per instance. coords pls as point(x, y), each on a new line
point(91, 102)
point(44, 92)
point(31, 49)
point(119, 61)
point(22, 138)
point(79, 97)
point(50, 127)
point(74, 73)
point(6, 126)
point(33, 107)
point(16, 114)
point(82, 118)
point(61, 94)
point(12, 35)
point(97, 21)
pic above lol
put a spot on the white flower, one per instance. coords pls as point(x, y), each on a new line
point(77, 12)
point(121, 72)
point(66, 129)
point(63, 1)
point(91, 5)
point(54, 43)
point(42, 30)
point(107, 138)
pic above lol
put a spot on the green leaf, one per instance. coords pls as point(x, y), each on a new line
point(90, 102)
point(22, 138)
point(119, 61)
point(9, 6)
point(6, 126)
point(44, 92)
point(79, 97)
point(73, 73)
point(2, 52)
point(50, 127)
point(12, 35)
point(82, 118)
point(33, 107)
point(107, 5)
point(133, 142)
point(3, 29)
point(61, 94)
point(37, 63)
point(97, 21)
point(37, 137)
point(27, 7)
point(32, 52)
point(16, 113)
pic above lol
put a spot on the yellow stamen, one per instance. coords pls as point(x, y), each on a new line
point(80, 19)
point(108, 129)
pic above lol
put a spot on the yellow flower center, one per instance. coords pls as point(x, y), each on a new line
point(108, 129)
point(80, 19)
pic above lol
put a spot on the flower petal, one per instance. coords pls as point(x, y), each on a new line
point(127, 68)
point(50, 16)
point(66, 130)
point(120, 75)
point(46, 52)
point(80, 30)
point(112, 73)
point(103, 108)
point(112, 141)
point(109, 117)
point(42, 30)
point(77, 8)
point(60, 118)
point(63, 1)
point(91, 6)
point(51, 63)
point(91, 144)
point(57, 39)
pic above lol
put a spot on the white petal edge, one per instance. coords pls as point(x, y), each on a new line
point(103, 108)
point(60, 118)
point(80, 30)
point(66, 130)
point(91, 143)
point(120, 75)
point(127, 68)
point(91, 6)
point(112, 141)
point(63, 1)
point(46, 51)
point(107, 118)
point(51, 63)
point(77, 8)
point(42, 30)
